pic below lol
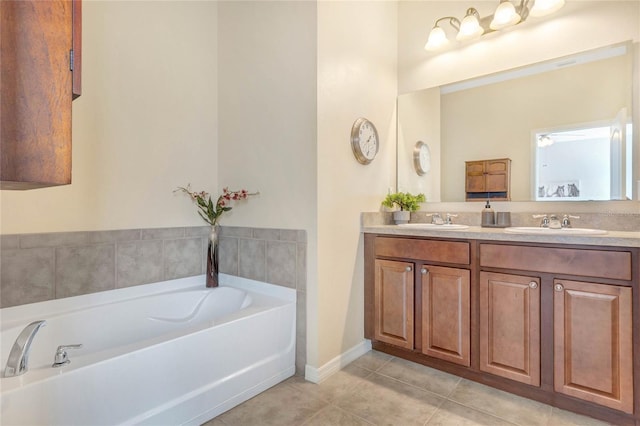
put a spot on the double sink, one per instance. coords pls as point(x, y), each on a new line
point(531, 230)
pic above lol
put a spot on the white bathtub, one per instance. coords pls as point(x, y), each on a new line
point(168, 353)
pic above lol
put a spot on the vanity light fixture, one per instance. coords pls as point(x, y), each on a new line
point(506, 15)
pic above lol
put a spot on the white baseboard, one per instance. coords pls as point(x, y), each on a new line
point(318, 375)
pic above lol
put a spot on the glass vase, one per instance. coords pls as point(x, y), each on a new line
point(212, 258)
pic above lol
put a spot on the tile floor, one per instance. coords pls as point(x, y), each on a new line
point(378, 389)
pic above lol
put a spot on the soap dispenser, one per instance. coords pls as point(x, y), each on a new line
point(488, 216)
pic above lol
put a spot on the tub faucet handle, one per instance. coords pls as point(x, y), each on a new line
point(62, 358)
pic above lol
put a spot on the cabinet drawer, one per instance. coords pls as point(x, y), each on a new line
point(587, 263)
point(428, 250)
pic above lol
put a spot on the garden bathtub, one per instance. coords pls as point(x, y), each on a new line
point(166, 353)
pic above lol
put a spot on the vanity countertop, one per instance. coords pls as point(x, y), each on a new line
point(612, 238)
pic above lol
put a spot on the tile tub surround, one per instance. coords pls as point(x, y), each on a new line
point(39, 267)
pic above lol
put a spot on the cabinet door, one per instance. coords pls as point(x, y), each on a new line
point(497, 175)
point(475, 176)
point(593, 343)
point(35, 125)
point(446, 313)
point(393, 303)
point(510, 326)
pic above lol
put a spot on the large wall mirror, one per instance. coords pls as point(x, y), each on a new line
point(566, 124)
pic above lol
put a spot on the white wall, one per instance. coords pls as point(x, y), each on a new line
point(145, 123)
point(356, 78)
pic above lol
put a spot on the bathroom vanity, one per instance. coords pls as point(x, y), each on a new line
point(553, 318)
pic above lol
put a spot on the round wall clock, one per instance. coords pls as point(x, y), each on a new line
point(422, 158)
point(364, 140)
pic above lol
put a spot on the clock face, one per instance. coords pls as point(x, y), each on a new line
point(422, 158)
point(364, 140)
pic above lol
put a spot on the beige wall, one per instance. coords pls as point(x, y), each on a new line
point(580, 25)
point(356, 77)
point(586, 93)
point(267, 114)
point(420, 112)
point(146, 122)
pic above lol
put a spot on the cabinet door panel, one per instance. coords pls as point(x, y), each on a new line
point(510, 326)
point(593, 343)
point(446, 313)
point(35, 124)
point(393, 311)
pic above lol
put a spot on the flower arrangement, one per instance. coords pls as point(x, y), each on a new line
point(405, 200)
point(209, 211)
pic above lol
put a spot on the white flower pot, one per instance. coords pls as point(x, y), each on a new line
point(401, 216)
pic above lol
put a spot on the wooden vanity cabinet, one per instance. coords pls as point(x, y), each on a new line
point(419, 303)
point(41, 60)
point(488, 179)
point(553, 322)
point(592, 319)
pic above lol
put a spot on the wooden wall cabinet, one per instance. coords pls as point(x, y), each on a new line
point(488, 179)
point(41, 61)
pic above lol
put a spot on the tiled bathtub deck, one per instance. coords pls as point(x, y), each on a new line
point(378, 389)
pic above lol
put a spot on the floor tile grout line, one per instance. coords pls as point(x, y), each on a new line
point(412, 385)
point(434, 412)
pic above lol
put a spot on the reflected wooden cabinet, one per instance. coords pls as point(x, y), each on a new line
point(393, 302)
point(41, 59)
point(488, 179)
point(593, 353)
point(510, 326)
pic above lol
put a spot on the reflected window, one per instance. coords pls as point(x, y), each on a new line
point(582, 163)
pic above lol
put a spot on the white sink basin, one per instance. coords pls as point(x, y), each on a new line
point(443, 227)
point(536, 230)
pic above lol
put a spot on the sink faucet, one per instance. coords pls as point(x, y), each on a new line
point(544, 223)
point(566, 220)
point(18, 362)
point(449, 220)
point(436, 219)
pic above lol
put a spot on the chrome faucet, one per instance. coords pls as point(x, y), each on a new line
point(449, 220)
point(18, 362)
point(436, 219)
point(566, 220)
point(544, 223)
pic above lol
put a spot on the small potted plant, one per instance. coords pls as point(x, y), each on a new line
point(406, 202)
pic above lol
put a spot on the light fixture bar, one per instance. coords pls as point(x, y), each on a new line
point(473, 26)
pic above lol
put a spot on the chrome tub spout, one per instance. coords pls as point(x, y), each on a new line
point(18, 362)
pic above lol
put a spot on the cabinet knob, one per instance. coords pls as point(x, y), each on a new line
point(408, 269)
point(424, 271)
point(558, 287)
point(533, 284)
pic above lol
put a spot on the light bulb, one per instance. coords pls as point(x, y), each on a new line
point(437, 39)
point(469, 27)
point(505, 16)
point(545, 7)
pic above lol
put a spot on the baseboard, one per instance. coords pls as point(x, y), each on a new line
point(318, 375)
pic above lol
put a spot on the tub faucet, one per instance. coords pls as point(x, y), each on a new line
point(18, 362)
